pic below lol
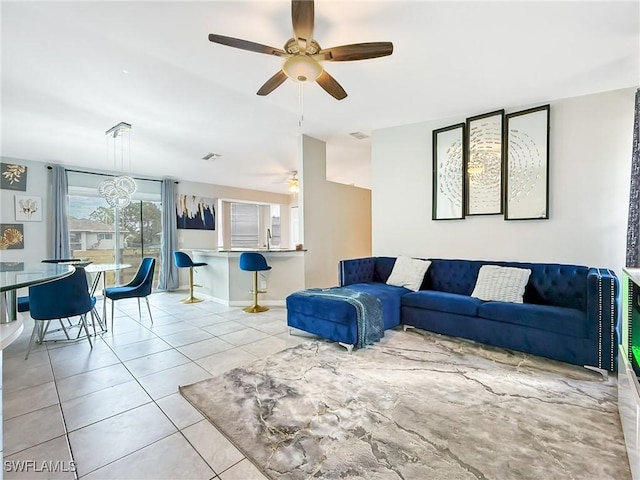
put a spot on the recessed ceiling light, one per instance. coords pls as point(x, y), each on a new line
point(212, 156)
point(126, 72)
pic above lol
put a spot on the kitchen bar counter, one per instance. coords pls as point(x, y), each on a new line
point(223, 281)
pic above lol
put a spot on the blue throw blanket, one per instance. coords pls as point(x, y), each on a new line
point(368, 311)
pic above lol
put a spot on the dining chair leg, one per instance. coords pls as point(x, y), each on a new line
point(113, 306)
point(83, 319)
point(93, 322)
point(97, 315)
point(139, 311)
point(43, 331)
point(66, 334)
point(33, 336)
point(149, 308)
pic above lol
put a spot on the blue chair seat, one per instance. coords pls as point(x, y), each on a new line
point(182, 260)
point(63, 298)
point(118, 293)
point(139, 287)
point(254, 262)
point(23, 304)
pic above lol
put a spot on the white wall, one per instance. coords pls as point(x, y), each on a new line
point(335, 218)
point(590, 163)
point(35, 233)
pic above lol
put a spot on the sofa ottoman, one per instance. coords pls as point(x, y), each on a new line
point(336, 319)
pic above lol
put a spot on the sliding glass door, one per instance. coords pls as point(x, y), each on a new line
point(105, 235)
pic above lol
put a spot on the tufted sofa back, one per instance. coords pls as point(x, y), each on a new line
point(549, 283)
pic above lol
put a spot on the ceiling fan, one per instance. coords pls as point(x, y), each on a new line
point(303, 54)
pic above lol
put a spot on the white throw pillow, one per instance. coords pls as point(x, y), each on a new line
point(502, 284)
point(408, 272)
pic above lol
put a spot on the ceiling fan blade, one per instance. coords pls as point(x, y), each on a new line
point(302, 19)
point(331, 86)
point(273, 83)
point(246, 45)
point(357, 51)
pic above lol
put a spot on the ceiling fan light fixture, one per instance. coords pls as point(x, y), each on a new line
point(302, 68)
point(294, 184)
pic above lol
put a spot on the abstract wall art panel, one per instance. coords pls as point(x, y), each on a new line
point(527, 164)
point(449, 146)
point(195, 213)
point(483, 165)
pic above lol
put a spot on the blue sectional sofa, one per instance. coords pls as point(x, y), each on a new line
point(569, 311)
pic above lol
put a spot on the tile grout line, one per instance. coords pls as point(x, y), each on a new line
point(152, 400)
point(178, 430)
point(64, 420)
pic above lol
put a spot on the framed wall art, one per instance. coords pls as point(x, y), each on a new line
point(11, 236)
point(13, 177)
point(195, 213)
point(483, 164)
point(527, 164)
point(28, 208)
point(449, 146)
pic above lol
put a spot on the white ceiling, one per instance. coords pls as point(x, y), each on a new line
point(63, 83)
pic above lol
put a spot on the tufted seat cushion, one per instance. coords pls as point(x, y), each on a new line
point(565, 321)
point(442, 302)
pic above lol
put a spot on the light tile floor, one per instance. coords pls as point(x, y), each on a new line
point(115, 409)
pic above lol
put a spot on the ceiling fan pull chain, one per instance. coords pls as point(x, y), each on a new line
point(301, 103)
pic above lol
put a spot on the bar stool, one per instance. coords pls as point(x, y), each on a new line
point(183, 261)
point(254, 262)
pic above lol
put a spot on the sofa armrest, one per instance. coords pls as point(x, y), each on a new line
point(357, 270)
point(603, 290)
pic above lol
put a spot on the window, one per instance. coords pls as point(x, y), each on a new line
point(245, 225)
point(295, 226)
point(75, 241)
point(105, 235)
point(275, 226)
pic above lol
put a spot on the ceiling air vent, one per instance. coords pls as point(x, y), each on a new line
point(211, 156)
point(359, 135)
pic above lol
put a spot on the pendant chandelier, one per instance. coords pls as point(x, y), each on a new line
point(118, 190)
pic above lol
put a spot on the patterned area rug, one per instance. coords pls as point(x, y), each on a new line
point(417, 406)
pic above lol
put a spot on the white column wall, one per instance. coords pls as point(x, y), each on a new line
point(335, 218)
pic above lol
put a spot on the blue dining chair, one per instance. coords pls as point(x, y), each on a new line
point(23, 302)
point(254, 262)
point(139, 287)
point(184, 261)
point(64, 298)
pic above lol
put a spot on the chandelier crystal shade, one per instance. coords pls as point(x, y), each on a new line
point(117, 191)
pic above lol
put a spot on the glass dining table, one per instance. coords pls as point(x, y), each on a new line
point(15, 275)
point(100, 269)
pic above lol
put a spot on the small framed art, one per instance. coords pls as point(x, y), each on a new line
point(28, 208)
